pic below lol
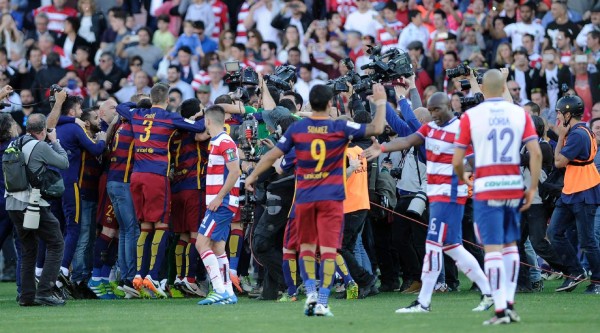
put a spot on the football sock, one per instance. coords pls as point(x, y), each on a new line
point(494, 269)
point(432, 267)
point(212, 267)
point(342, 269)
point(141, 252)
point(307, 271)
point(100, 251)
point(326, 274)
point(180, 258)
point(224, 267)
point(159, 244)
point(469, 266)
point(110, 258)
point(289, 272)
point(236, 241)
point(193, 257)
point(38, 271)
point(510, 257)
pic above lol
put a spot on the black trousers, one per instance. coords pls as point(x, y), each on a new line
point(353, 224)
point(408, 239)
point(49, 232)
point(387, 258)
point(267, 239)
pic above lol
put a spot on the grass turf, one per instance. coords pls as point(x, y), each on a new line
point(451, 312)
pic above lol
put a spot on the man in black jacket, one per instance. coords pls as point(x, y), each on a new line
point(108, 74)
point(293, 11)
point(46, 78)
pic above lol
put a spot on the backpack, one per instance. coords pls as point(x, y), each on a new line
point(14, 167)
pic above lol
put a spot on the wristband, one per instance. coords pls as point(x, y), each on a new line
point(382, 148)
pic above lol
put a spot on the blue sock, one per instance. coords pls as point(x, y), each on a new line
point(326, 274)
point(236, 243)
point(342, 269)
point(100, 251)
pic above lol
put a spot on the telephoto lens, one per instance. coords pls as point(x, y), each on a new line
point(31, 220)
point(418, 204)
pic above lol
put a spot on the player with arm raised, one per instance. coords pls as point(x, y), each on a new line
point(496, 129)
point(320, 189)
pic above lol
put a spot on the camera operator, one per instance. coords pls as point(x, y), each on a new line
point(41, 150)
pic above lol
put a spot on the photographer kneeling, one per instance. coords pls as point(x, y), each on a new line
point(41, 150)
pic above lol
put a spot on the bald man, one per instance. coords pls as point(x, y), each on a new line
point(447, 197)
point(496, 129)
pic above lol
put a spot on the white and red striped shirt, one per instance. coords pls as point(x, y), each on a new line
point(343, 7)
point(222, 151)
point(200, 79)
point(385, 38)
point(241, 32)
point(496, 128)
point(221, 17)
point(56, 18)
point(442, 183)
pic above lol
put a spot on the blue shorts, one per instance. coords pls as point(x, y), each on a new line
point(216, 225)
point(445, 223)
point(498, 223)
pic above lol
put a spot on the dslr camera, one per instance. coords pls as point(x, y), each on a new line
point(283, 77)
point(460, 70)
point(469, 102)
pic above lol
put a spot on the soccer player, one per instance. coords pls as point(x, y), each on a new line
point(75, 141)
point(447, 197)
point(153, 130)
point(320, 191)
point(496, 129)
point(222, 198)
point(187, 204)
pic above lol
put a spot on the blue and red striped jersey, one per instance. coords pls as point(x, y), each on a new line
point(187, 162)
point(74, 140)
point(121, 153)
point(89, 175)
point(321, 154)
point(153, 130)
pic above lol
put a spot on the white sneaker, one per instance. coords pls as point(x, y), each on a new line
point(486, 303)
point(323, 311)
point(192, 288)
point(246, 283)
point(414, 307)
point(310, 304)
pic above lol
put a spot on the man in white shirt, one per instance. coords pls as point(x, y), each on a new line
point(306, 82)
point(261, 14)
point(363, 19)
point(527, 26)
point(415, 31)
point(174, 81)
point(217, 85)
point(593, 25)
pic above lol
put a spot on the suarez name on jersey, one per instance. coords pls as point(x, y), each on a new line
point(442, 183)
point(497, 129)
point(222, 151)
point(321, 154)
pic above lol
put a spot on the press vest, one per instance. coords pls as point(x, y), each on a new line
point(581, 175)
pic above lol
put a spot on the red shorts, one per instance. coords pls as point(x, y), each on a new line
point(320, 223)
point(187, 210)
point(290, 236)
point(151, 195)
point(105, 215)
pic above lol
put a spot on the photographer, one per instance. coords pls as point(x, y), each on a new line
point(41, 150)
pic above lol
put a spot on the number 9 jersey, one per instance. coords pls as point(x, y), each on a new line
point(497, 129)
point(321, 155)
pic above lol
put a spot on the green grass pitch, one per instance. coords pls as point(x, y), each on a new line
point(545, 312)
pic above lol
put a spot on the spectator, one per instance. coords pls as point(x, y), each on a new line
point(200, 10)
point(262, 13)
point(291, 39)
point(226, 40)
point(57, 14)
point(510, 11)
point(388, 27)
point(92, 22)
point(555, 75)
point(593, 48)
point(268, 51)
point(163, 37)
point(426, 9)
point(415, 31)
point(535, 59)
point(207, 43)
point(564, 46)
point(70, 41)
point(455, 103)
point(515, 93)
point(13, 99)
point(27, 71)
point(539, 97)
point(108, 73)
point(221, 15)
point(587, 85)
point(572, 14)
point(441, 32)
point(561, 22)
point(10, 36)
point(187, 67)
point(362, 20)
point(41, 27)
point(140, 86)
point(293, 13)
point(46, 45)
point(135, 65)
point(516, 31)
point(472, 42)
point(217, 86)
point(442, 82)
point(190, 39)
point(203, 95)
point(402, 11)
point(526, 77)
point(82, 63)
point(46, 77)
point(174, 81)
point(306, 82)
point(504, 57)
point(593, 25)
point(454, 17)
point(255, 40)
point(174, 99)
point(93, 93)
point(28, 109)
point(149, 53)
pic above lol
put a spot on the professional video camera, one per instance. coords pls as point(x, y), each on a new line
point(236, 75)
point(341, 83)
point(248, 137)
point(468, 102)
point(386, 67)
point(282, 77)
point(460, 70)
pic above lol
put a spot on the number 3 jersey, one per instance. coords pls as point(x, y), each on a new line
point(497, 129)
point(321, 154)
point(442, 183)
point(222, 151)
